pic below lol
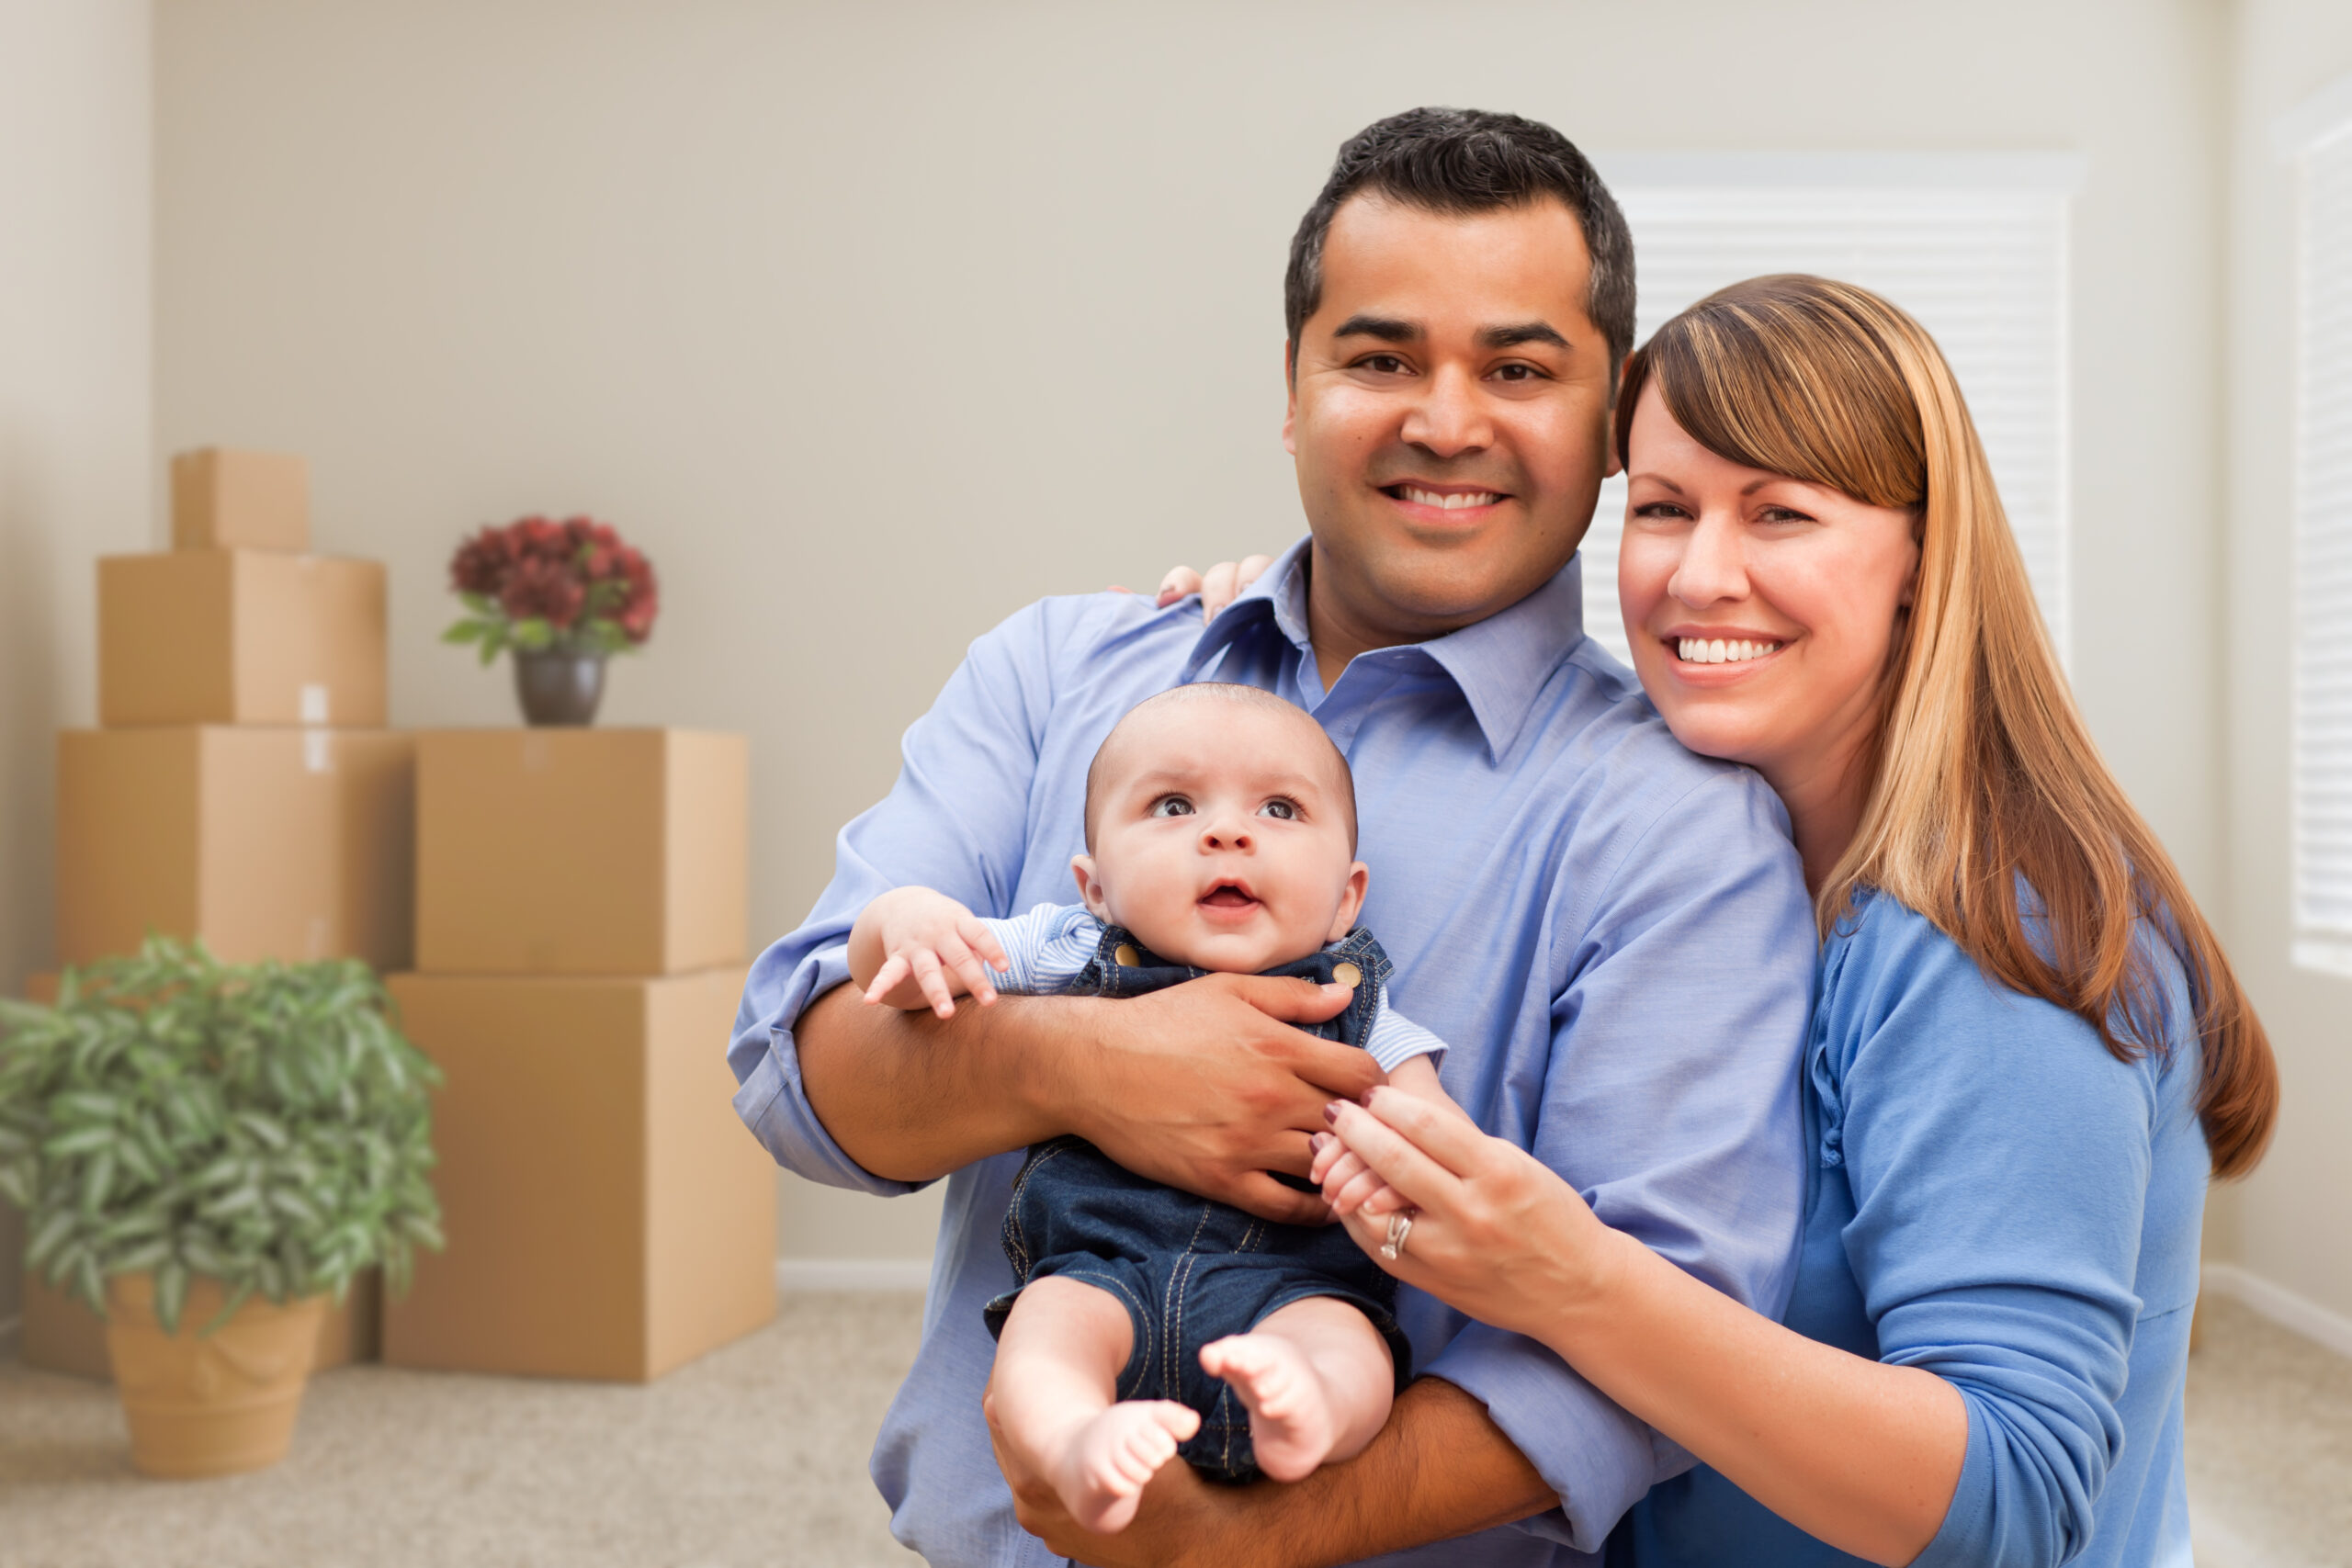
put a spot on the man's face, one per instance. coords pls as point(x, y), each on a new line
point(1448, 412)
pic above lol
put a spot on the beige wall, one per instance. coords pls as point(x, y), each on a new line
point(75, 431)
point(874, 323)
point(2292, 1223)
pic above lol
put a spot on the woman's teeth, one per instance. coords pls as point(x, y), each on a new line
point(1449, 502)
point(1717, 650)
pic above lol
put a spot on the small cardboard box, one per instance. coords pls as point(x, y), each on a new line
point(62, 1334)
point(241, 637)
point(225, 500)
point(608, 1215)
point(582, 851)
point(266, 842)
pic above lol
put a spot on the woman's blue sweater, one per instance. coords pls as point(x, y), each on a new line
point(1994, 1197)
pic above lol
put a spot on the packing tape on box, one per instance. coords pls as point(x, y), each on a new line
point(314, 703)
point(318, 752)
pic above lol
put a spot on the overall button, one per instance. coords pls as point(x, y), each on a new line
point(1125, 956)
point(1347, 974)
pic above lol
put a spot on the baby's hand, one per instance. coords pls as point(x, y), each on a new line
point(924, 950)
point(1348, 1183)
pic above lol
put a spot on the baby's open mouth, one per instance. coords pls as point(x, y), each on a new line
point(1227, 896)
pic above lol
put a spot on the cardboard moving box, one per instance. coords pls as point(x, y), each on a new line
point(60, 1334)
point(241, 637)
point(608, 1215)
point(266, 842)
point(582, 851)
point(225, 500)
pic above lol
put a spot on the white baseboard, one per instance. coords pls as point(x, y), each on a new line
point(2281, 1305)
point(852, 1274)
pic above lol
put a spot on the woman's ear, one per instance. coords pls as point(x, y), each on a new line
point(1918, 557)
point(1350, 901)
point(1090, 888)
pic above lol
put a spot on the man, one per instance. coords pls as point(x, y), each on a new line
point(1611, 934)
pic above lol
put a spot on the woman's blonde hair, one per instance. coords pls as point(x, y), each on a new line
point(1981, 775)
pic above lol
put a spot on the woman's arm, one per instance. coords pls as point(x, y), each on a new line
point(1864, 1456)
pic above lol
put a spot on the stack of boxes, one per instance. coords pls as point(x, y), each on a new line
point(241, 788)
point(582, 914)
point(575, 903)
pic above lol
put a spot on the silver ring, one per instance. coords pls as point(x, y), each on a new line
point(1400, 1226)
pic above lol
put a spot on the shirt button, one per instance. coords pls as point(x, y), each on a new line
point(1125, 956)
point(1347, 974)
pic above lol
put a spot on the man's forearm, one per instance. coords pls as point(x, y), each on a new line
point(1440, 1469)
point(911, 1097)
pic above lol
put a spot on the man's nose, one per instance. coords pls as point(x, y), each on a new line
point(1450, 417)
point(1714, 563)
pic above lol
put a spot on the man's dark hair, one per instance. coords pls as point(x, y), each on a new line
point(1458, 162)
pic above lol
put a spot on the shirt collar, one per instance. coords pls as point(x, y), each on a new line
point(1497, 664)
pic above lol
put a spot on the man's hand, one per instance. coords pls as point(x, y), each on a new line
point(1206, 1088)
point(913, 948)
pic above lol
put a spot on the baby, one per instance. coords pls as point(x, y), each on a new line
point(1220, 834)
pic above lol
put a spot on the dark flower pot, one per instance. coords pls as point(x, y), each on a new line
point(558, 687)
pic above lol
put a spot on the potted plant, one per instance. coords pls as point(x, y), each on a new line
point(564, 597)
point(204, 1152)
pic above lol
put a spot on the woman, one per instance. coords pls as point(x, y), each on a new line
point(2027, 1052)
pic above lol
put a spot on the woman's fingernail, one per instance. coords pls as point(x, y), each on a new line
point(1331, 1113)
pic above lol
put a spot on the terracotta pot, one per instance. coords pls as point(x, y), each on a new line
point(559, 688)
point(208, 1404)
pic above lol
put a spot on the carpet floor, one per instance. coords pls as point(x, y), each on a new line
point(756, 1455)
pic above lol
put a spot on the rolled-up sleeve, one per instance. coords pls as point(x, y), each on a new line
point(1671, 1103)
point(2000, 1158)
point(956, 821)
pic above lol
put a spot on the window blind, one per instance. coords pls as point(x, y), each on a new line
point(2322, 594)
point(1973, 247)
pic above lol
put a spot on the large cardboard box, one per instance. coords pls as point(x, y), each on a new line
point(582, 851)
point(608, 1215)
point(241, 637)
point(266, 842)
point(60, 1334)
point(225, 500)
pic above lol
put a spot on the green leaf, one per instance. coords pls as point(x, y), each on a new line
point(97, 1181)
point(268, 1129)
point(170, 1293)
point(82, 1141)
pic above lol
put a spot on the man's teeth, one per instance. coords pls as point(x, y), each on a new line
point(1451, 502)
point(1719, 651)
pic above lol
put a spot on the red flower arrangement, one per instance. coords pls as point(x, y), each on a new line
point(540, 585)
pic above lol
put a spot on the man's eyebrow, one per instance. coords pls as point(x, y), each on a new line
point(1519, 332)
point(1387, 328)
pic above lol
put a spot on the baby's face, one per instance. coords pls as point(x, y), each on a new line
point(1221, 840)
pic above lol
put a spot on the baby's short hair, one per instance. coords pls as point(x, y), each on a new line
point(1227, 692)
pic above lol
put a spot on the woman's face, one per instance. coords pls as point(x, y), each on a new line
point(1761, 609)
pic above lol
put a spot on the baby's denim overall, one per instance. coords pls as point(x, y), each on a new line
point(1188, 1269)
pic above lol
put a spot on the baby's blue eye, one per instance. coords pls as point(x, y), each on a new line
point(1282, 810)
point(1171, 806)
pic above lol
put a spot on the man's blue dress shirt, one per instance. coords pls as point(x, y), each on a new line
point(1611, 934)
point(1995, 1197)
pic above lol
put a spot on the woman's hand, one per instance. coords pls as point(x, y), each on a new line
point(1495, 1233)
point(1225, 582)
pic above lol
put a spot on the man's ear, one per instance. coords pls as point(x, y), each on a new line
point(1350, 901)
point(1090, 888)
point(1290, 389)
point(1610, 467)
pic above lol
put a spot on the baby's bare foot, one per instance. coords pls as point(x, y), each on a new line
point(1100, 1472)
point(1291, 1423)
